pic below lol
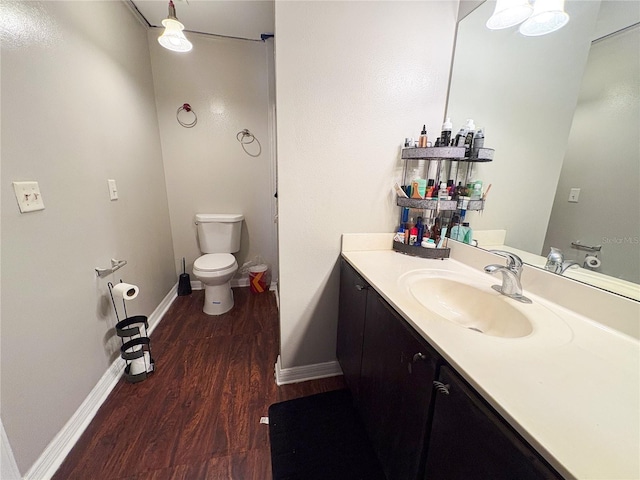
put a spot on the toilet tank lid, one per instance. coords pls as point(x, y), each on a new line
point(219, 217)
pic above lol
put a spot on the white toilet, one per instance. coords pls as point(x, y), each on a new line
point(219, 237)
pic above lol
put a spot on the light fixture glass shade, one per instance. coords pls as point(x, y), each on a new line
point(548, 16)
point(509, 13)
point(172, 38)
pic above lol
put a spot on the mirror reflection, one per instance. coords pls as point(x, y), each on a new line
point(562, 112)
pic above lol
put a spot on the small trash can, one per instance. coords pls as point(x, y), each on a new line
point(258, 278)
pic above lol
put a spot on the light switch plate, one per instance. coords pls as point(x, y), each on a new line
point(28, 196)
point(574, 193)
point(113, 189)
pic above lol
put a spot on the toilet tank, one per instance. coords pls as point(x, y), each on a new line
point(219, 232)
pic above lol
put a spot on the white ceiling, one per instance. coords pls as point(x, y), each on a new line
point(230, 18)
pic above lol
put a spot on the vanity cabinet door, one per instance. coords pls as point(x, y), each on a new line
point(351, 318)
point(468, 440)
point(398, 369)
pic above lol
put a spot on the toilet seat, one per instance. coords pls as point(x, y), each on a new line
point(214, 262)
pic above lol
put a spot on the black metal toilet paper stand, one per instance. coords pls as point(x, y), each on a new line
point(136, 344)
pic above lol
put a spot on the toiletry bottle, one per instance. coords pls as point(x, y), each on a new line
point(445, 136)
point(435, 230)
point(430, 188)
point(413, 235)
point(470, 129)
point(468, 233)
point(476, 192)
point(407, 231)
point(423, 137)
point(455, 228)
point(420, 227)
point(460, 138)
point(478, 139)
point(459, 191)
point(399, 236)
point(443, 193)
point(451, 189)
point(421, 183)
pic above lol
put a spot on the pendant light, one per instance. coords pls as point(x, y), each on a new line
point(548, 16)
point(172, 38)
point(509, 13)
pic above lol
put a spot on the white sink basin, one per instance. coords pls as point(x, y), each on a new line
point(470, 307)
point(469, 302)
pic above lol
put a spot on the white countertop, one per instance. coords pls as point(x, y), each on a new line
point(575, 399)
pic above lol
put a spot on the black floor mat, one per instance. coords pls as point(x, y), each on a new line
point(320, 437)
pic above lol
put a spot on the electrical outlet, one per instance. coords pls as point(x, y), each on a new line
point(28, 196)
point(574, 193)
point(113, 189)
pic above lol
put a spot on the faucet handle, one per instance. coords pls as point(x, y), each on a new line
point(514, 262)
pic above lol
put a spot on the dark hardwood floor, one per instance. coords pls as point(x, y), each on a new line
point(198, 415)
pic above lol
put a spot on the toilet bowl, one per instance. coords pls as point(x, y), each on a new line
point(215, 271)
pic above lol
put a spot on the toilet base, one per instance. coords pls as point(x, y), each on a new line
point(218, 299)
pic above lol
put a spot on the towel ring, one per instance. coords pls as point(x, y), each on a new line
point(186, 108)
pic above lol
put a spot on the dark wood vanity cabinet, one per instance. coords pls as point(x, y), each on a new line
point(398, 370)
point(417, 431)
point(351, 316)
point(469, 440)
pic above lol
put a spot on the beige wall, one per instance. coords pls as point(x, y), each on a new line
point(353, 79)
point(226, 82)
point(77, 109)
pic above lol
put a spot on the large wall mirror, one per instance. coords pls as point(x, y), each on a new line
point(563, 114)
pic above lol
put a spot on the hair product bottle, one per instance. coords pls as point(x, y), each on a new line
point(422, 142)
point(445, 136)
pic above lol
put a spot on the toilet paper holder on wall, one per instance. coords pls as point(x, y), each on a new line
point(115, 265)
point(588, 248)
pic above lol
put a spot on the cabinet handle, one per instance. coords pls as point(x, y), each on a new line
point(360, 287)
point(441, 387)
point(419, 356)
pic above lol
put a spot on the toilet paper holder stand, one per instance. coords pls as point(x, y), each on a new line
point(115, 265)
point(134, 335)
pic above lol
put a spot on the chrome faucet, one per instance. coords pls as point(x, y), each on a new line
point(556, 262)
point(511, 286)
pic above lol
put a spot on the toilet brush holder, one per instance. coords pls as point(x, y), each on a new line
point(184, 282)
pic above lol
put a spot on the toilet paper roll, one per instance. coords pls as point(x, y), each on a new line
point(592, 262)
point(142, 364)
point(125, 291)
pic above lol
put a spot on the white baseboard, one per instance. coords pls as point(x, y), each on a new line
point(236, 282)
point(63, 442)
point(306, 372)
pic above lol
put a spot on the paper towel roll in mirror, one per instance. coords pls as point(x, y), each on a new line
point(125, 291)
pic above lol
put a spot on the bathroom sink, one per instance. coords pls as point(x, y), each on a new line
point(470, 307)
point(471, 303)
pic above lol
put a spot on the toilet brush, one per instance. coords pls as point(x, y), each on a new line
point(184, 283)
